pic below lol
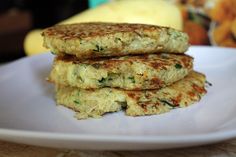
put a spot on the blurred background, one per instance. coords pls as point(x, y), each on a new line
point(208, 22)
point(18, 17)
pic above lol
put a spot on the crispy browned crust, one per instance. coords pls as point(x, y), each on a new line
point(151, 71)
point(180, 94)
point(92, 40)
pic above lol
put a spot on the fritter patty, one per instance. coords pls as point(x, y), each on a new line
point(96, 102)
point(151, 71)
point(93, 40)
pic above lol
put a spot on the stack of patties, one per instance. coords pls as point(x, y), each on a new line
point(106, 67)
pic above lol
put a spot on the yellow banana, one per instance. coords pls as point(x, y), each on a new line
point(157, 12)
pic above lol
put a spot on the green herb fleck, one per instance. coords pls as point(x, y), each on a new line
point(117, 39)
point(102, 80)
point(167, 103)
point(80, 78)
point(98, 48)
point(131, 79)
point(53, 53)
point(77, 102)
point(178, 66)
point(208, 83)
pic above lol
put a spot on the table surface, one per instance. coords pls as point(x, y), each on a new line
point(224, 149)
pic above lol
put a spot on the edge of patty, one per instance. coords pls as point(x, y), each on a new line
point(151, 71)
point(93, 40)
point(97, 102)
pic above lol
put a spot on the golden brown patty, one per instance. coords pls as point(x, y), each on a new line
point(151, 71)
point(95, 103)
point(92, 40)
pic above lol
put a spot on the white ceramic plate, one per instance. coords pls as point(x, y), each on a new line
point(28, 113)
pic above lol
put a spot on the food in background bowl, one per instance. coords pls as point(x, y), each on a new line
point(223, 25)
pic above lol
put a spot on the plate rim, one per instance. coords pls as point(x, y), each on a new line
point(212, 136)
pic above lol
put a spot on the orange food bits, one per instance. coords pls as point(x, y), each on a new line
point(196, 32)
